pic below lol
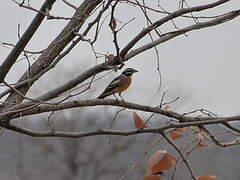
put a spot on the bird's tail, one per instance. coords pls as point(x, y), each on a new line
point(103, 95)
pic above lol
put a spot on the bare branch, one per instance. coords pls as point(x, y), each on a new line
point(12, 113)
point(163, 11)
point(24, 97)
point(12, 45)
point(166, 19)
point(69, 4)
point(105, 66)
point(171, 35)
point(217, 142)
point(160, 130)
point(21, 44)
point(181, 155)
point(54, 63)
point(57, 45)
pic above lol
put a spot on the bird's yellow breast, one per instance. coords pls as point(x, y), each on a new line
point(124, 84)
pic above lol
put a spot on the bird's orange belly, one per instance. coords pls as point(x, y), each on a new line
point(124, 85)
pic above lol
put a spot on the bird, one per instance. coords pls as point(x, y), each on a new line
point(119, 84)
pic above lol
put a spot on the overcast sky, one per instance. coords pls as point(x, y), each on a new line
point(203, 68)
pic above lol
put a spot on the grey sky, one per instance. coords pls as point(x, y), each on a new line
point(202, 69)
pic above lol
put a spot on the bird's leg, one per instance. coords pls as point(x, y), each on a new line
point(115, 97)
point(121, 97)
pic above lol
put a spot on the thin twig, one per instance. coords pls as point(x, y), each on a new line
point(25, 97)
point(181, 154)
point(69, 4)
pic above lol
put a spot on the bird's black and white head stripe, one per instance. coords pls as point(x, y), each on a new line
point(129, 71)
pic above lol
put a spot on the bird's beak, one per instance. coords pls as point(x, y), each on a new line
point(135, 71)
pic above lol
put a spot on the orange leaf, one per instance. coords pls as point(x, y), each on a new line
point(166, 162)
point(155, 158)
point(175, 135)
point(138, 121)
point(206, 177)
point(152, 177)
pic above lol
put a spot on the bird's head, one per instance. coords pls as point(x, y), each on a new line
point(129, 71)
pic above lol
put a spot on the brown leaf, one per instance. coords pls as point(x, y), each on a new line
point(174, 135)
point(152, 177)
point(166, 162)
point(113, 24)
point(138, 121)
point(206, 177)
point(155, 158)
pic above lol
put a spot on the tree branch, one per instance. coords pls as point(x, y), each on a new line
point(51, 133)
point(169, 141)
point(166, 19)
point(53, 64)
point(21, 44)
point(217, 142)
point(57, 45)
point(227, 17)
point(107, 65)
point(12, 113)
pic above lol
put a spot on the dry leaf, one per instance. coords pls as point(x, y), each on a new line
point(138, 121)
point(206, 177)
point(113, 24)
point(166, 162)
point(175, 135)
point(154, 159)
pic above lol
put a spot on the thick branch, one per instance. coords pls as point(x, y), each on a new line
point(50, 133)
point(21, 44)
point(101, 67)
point(57, 45)
point(53, 64)
point(104, 66)
point(36, 109)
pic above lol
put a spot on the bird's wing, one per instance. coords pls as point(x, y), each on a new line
point(113, 84)
point(110, 89)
